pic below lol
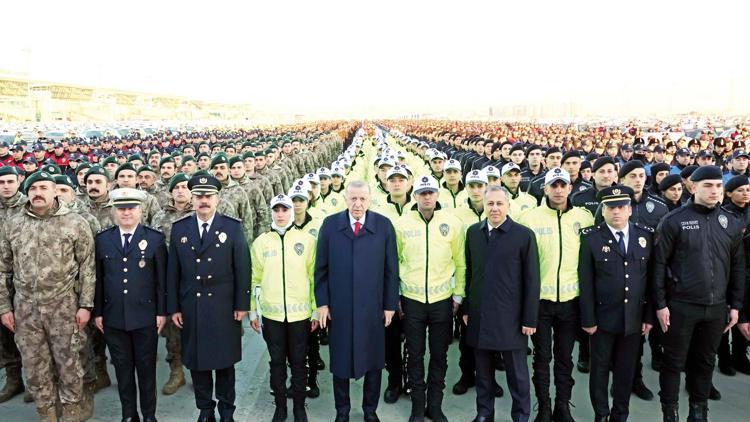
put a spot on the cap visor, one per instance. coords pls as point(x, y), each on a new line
point(616, 202)
point(567, 182)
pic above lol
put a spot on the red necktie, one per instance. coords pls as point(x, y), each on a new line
point(357, 226)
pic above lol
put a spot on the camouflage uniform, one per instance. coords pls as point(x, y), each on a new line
point(161, 191)
point(88, 356)
point(275, 179)
point(262, 214)
point(150, 208)
point(163, 221)
point(264, 183)
point(10, 357)
point(49, 257)
point(102, 209)
point(233, 202)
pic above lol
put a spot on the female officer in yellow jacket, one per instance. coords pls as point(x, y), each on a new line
point(283, 262)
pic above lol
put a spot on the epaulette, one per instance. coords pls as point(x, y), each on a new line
point(232, 218)
point(183, 217)
point(106, 229)
point(153, 228)
point(642, 227)
point(655, 199)
point(590, 229)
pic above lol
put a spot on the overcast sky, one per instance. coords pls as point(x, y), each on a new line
point(385, 57)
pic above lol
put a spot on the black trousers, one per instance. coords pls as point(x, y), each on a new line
point(393, 358)
point(370, 393)
point(558, 322)
point(419, 318)
point(466, 357)
point(620, 353)
point(134, 352)
point(517, 375)
point(203, 384)
point(287, 340)
point(697, 329)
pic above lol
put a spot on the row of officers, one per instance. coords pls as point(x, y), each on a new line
point(546, 275)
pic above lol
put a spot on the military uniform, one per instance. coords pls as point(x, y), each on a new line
point(275, 179)
point(233, 202)
point(130, 293)
point(207, 279)
point(51, 283)
point(614, 288)
point(101, 209)
point(258, 203)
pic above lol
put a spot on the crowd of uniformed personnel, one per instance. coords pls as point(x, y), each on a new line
point(566, 186)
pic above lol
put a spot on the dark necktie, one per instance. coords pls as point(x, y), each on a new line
point(127, 241)
point(621, 242)
point(204, 233)
point(357, 226)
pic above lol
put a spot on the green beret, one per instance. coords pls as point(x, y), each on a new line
point(83, 166)
point(177, 178)
point(109, 160)
point(135, 157)
point(175, 153)
point(51, 168)
point(61, 179)
point(268, 152)
point(38, 176)
point(201, 155)
point(126, 166)
point(143, 169)
point(219, 159)
point(8, 170)
point(247, 155)
point(165, 160)
point(152, 153)
point(186, 158)
point(234, 160)
point(96, 170)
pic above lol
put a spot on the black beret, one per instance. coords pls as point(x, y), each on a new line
point(518, 146)
point(533, 147)
point(630, 166)
point(659, 167)
point(688, 171)
point(570, 154)
point(602, 161)
point(736, 182)
point(585, 165)
point(591, 156)
point(707, 173)
point(669, 181)
point(552, 151)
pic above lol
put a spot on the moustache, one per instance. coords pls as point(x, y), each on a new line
point(38, 198)
point(94, 190)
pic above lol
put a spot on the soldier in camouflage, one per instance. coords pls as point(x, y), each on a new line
point(264, 170)
point(126, 177)
point(167, 169)
point(262, 215)
point(179, 206)
point(233, 200)
point(50, 252)
point(12, 202)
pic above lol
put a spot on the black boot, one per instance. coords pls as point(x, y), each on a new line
point(417, 411)
point(435, 413)
point(670, 412)
point(698, 412)
point(280, 414)
point(392, 393)
point(641, 391)
point(463, 385)
point(544, 410)
point(562, 412)
point(300, 415)
point(714, 394)
point(498, 390)
point(313, 391)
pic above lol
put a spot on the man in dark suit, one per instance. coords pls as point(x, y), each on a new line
point(208, 295)
point(356, 290)
point(130, 300)
point(502, 302)
point(614, 278)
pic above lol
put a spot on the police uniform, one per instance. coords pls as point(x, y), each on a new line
point(613, 275)
point(208, 280)
point(130, 294)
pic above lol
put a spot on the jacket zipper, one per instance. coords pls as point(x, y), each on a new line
point(560, 245)
point(427, 262)
point(283, 276)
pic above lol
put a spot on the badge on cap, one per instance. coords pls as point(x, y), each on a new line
point(222, 237)
point(203, 180)
point(642, 241)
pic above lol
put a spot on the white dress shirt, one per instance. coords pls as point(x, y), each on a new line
point(353, 220)
point(210, 221)
point(625, 234)
point(123, 233)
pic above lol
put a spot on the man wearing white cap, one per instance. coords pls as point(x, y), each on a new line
point(452, 189)
point(431, 253)
point(557, 225)
point(511, 180)
point(493, 175)
point(471, 210)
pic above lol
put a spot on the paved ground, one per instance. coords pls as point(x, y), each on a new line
point(254, 402)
